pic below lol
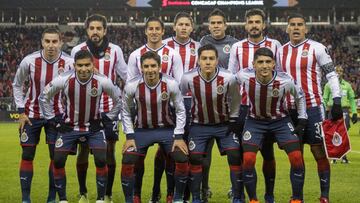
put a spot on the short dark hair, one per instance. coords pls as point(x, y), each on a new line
point(217, 12)
point(150, 55)
point(207, 47)
point(83, 54)
point(296, 15)
point(96, 17)
point(51, 30)
point(183, 15)
point(263, 51)
point(156, 19)
point(255, 11)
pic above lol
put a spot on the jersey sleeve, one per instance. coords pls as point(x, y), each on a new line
point(128, 101)
point(184, 86)
point(178, 102)
point(120, 66)
point(178, 69)
point(234, 97)
point(233, 66)
point(114, 92)
point(133, 69)
point(21, 75)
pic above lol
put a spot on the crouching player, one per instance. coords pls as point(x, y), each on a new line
point(267, 90)
point(83, 89)
point(151, 94)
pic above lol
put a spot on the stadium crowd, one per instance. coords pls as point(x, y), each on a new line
point(15, 43)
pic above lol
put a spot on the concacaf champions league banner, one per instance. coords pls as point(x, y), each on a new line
point(336, 138)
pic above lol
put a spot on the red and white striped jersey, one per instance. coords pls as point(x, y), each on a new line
point(111, 65)
point(187, 51)
point(305, 63)
point(35, 68)
point(242, 56)
point(215, 100)
point(171, 63)
point(267, 100)
point(153, 105)
point(82, 99)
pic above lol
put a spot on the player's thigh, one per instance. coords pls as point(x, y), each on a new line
point(313, 131)
point(199, 137)
point(253, 134)
point(31, 133)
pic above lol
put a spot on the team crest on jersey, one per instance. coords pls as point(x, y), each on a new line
point(227, 48)
point(164, 96)
point(275, 92)
point(337, 139)
point(305, 53)
point(59, 143)
point(192, 145)
point(94, 92)
point(247, 136)
point(24, 137)
point(220, 89)
point(107, 56)
point(165, 58)
point(192, 51)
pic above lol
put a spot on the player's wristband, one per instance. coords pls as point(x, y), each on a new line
point(178, 136)
point(21, 110)
point(130, 136)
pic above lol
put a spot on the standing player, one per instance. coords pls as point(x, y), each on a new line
point(215, 102)
point(171, 64)
point(187, 48)
point(151, 93)
point(39, 68)
point(83, 90)
point(109, 61)
point(222, 43)
point(267, 90)
point(305, 60)
point(347, 101)
point(242, 56)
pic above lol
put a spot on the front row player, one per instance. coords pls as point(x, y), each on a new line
point(83, 89)
point(267, 90)
point(151, 93)
point(215, 101)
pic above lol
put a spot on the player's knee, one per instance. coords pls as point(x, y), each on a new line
point(318, 151)
point(129, 159)
point(28, 153)
point(234, 157)
point(196, 159)
point(180, 157)
point(249, 160)
point(296, 160)
point(100, 158)
point(60, 159)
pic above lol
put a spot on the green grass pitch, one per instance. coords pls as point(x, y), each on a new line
point(345, 178)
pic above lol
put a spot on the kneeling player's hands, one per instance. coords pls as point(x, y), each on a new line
point(181, 145)
point(354, 118)
point(129, 145)
point(23, 120)
point(300, 127)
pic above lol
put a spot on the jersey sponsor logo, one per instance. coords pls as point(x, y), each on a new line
point(337, 139)
point(192, 145)
point(220, 89)
point(275, 92)
point(226, 49)
point(165, 58)
point(24, 137)
point(305, 53)
point(94, 92)
point(107, 56)
point(247, 136)
point(164, 96)
point(192, 51)
point(59, 143)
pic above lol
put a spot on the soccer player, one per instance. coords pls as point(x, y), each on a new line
point(215, 102)
point(171, 64)
point(151, 93)
point(187, 48)
point(267, 89)
point(39, 68)
point(223, 43)
point(242, 56)
point(306, 60)
point(83, 90)
point(109, 61)
point(347, 101)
